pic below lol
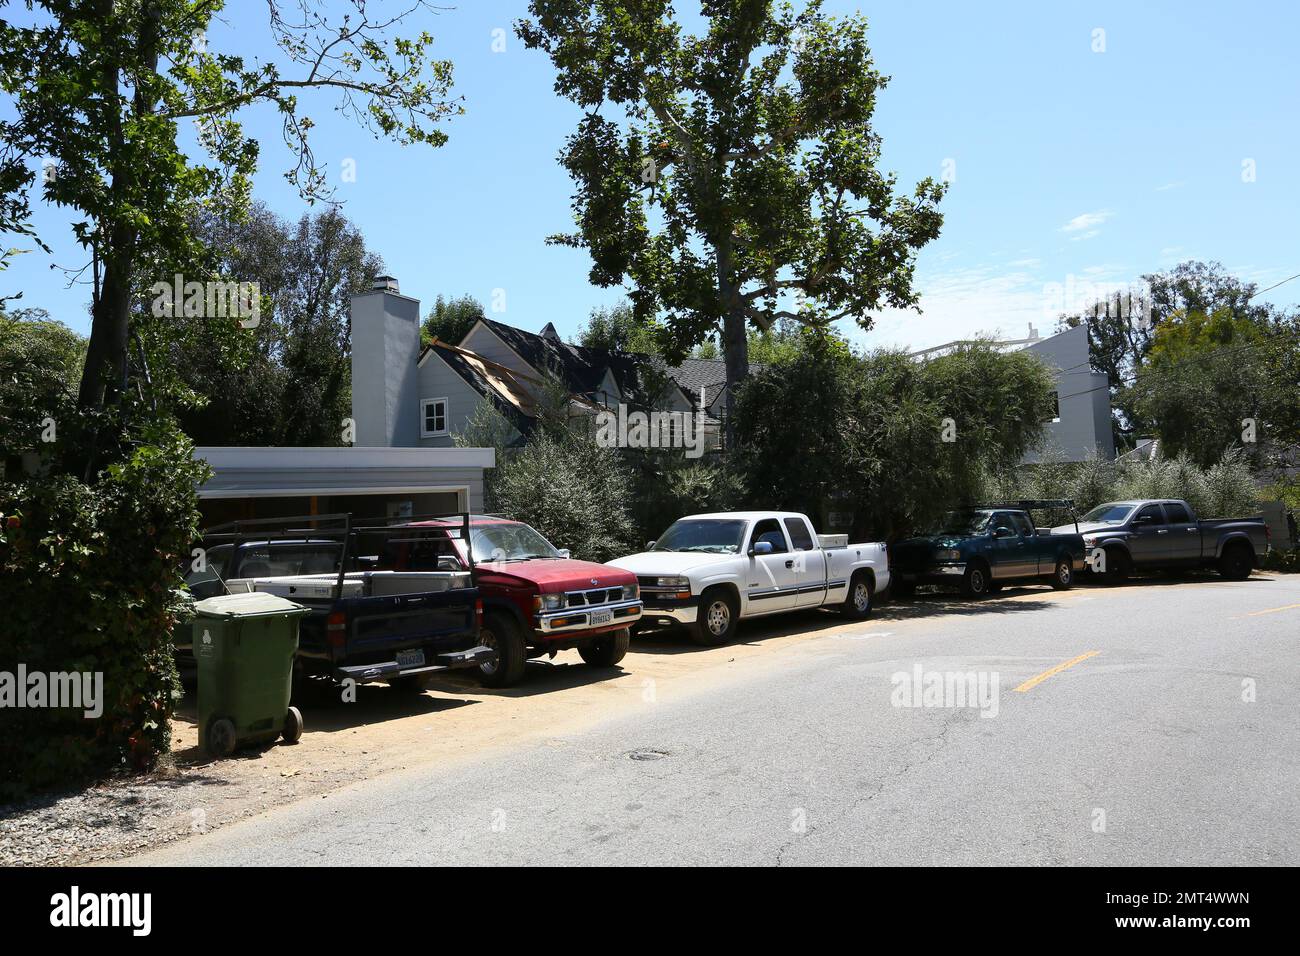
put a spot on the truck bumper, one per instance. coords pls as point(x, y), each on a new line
point(450, 660)
point(935, 574)
point(668, 611)
point(570, 622)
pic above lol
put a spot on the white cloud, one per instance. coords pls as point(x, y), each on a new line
point(1090, 234)
point(999, 301)
point(1087, 220)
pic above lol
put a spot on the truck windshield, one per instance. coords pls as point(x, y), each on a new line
point(713, 536)
point(509, 542)
point(963, 522)
point(1108, 514)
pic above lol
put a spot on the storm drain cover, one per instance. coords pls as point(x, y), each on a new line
point(648, 754)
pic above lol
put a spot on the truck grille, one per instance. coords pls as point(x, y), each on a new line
point(593, 597)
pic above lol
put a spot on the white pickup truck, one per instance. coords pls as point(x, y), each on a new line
point(710, 571)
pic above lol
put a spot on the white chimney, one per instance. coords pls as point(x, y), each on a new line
point(385, 379)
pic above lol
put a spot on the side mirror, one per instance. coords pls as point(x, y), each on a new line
point(760, 547)
point(1002, 531)
point(649, 545)
point(563, 552)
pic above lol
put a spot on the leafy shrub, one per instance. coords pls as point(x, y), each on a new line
point(87, 579)
point(570, 489)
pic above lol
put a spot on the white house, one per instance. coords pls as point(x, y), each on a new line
point(1081, 426)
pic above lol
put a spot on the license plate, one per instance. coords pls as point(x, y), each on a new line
point(601, 617)
point(410, 659)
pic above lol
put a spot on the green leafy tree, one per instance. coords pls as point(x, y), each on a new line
point(291, 382)
point(617, 329)
point(731, 177)
point(1221, 379)
point(893, 440)
point(451, 319)
point(1122, 327)
point(40, 366)
point(102, 89)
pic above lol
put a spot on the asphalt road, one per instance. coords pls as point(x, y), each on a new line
point(1147, 749)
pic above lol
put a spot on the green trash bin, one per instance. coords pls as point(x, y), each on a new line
point(244, 645)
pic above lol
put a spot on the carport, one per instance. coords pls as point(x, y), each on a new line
point(369, 482)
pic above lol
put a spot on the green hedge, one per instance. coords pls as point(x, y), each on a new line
point(87, 579)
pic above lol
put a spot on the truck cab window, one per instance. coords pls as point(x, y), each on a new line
point(769, 530)
point(1149, 517)
point(799, 535)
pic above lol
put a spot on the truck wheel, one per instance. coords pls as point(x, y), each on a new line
point(501, 633)
point(292, 731)
point(1236, 562)
point(1118, 566)
point(606, 650)
point(1063, 576)
point(716, 624)
point(220, 738)
point(858, 603)
point(975, 582)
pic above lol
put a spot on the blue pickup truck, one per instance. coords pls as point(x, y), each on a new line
point(368, 622)
point(981, 548)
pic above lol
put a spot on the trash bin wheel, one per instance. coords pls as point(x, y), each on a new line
point(292, 726)
point(221, 737)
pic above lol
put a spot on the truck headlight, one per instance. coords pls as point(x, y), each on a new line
point(630, 592)
point(947, 554)
point(676, 583)
point(551, 602)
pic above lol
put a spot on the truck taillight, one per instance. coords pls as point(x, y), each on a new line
point(336, 628)
point(478, 611)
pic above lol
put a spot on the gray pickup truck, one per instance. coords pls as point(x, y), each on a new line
point(1121, 537)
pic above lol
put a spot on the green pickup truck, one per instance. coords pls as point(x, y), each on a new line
point(981, 548)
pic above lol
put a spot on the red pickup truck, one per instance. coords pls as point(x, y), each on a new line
point(537, 600)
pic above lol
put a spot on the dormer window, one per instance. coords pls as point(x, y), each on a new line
point(433, 417)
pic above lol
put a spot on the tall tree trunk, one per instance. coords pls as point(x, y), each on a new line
point(735, 340)
point(105, 372)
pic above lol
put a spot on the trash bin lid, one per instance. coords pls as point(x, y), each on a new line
point(252, 604)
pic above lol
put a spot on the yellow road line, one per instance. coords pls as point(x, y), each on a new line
point(1052, 671)
point(1273, 610)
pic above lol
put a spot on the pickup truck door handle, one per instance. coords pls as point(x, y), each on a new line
point(790, 563)
point(1162, 531)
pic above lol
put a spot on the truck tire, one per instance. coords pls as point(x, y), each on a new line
point(976, 582)
point(1237, 561)
point(606, 650)
point(861, 591)
point(1063, 575)
point(502, 633)
point(716, 623)
point(1118, 566)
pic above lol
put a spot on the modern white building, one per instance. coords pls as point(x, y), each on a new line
point(1081, 427)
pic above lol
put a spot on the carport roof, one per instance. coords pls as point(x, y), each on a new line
point(243, 472)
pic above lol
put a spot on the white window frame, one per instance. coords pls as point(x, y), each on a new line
point(424, 417)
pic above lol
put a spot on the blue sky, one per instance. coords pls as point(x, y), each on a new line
point(1074, 170)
